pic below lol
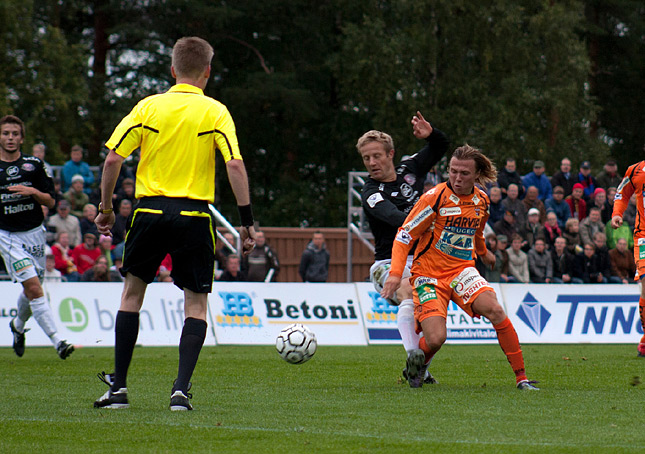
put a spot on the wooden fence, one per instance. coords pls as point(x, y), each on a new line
point(289, 243)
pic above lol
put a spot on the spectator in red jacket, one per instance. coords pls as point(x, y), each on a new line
point(576, 202)
point(62, 251)
point(85, 254)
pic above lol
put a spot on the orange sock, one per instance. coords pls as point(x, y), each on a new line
point(423, 346)
point(641, 310)
point(508, 340)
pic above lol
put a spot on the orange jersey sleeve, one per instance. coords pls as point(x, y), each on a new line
point(418, 221)
point(633, 183)
point(625, 190)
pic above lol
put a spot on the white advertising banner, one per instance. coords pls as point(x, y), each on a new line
point(85, 314)
point(549, 313)
point(381, 327)
point(254, 313)
point(339, 314)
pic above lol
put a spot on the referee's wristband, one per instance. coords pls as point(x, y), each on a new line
point(246, 215)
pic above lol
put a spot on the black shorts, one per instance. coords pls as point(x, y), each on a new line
point(182, 228)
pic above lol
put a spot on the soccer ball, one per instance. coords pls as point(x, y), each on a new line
point(296, 343)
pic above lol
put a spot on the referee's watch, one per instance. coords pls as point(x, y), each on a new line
point(106, 211)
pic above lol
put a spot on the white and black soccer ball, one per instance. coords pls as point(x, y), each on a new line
point(296, 343)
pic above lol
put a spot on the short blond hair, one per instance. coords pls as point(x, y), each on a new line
point(191, 56)
point(375, 136)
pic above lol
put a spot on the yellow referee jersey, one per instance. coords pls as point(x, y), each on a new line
point(178, 132)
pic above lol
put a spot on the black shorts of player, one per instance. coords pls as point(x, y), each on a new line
point(182, 228)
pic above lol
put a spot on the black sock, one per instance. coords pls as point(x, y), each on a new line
point(192, 340)
point(126, 331)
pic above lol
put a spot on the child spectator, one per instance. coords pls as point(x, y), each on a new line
point(51, 273)
point(572, 235)
point(165, 268)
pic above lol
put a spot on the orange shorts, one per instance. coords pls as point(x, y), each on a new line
point(431, 296)
point(639, 257)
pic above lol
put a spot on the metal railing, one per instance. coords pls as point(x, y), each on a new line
point(356, 221)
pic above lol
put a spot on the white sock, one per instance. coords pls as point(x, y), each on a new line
point(407, 326)
point(55, 340)
point(19, 324)
point(45, 317)
point(24, 312)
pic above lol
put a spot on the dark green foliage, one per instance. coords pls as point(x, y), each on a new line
point(512, 77)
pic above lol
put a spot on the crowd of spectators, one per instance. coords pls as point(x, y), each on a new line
point(558, 229)
point(542, 229)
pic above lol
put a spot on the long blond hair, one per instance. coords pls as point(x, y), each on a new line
point(485, 167)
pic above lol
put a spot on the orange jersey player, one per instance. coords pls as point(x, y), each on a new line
point(448, 223)
point(634, 183)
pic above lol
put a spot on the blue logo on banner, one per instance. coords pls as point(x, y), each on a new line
point(237, 311)
point(533, 314)
point(382, 311)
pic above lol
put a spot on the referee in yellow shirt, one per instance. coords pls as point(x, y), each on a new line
point(178, 132)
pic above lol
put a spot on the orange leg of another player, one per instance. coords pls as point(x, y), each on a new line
point(434, 336)
point(486, 304)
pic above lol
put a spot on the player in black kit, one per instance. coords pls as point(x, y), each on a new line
point(24, 187)
point(387, 198)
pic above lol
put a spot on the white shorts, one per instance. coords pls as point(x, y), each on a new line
point(380, 271)
point(23, 253)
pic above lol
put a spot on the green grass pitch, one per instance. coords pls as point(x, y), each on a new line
point(345, 400)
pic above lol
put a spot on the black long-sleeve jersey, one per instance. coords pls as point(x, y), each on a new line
point(19, 213)
point(388, 204)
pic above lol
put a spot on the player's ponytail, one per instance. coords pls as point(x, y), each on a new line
point(486, 168)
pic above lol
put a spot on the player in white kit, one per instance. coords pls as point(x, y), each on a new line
point(24, 187)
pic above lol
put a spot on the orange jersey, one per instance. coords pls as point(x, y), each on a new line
point(449, 228)
point(633, 182)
